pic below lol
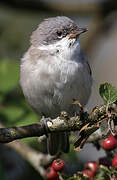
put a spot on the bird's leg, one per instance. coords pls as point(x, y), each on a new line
point(44, 121)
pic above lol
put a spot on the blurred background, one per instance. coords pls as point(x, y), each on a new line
point(17, 21)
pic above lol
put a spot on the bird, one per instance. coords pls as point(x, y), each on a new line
point(53, 72)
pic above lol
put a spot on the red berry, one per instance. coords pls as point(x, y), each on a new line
point(88, 173)
point(58, 164)
point(93, 166)
point(105, 161)
point(109, 143)
point(114, 161)
point(51, 174)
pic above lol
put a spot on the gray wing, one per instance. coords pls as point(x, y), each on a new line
point(84, 59)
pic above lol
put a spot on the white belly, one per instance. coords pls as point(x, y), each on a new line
point(51, 87)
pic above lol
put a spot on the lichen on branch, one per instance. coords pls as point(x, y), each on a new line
point(84, 122)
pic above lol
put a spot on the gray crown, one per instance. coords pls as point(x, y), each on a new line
point(52, 30)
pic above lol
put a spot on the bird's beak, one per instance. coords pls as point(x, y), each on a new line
point(77, 32)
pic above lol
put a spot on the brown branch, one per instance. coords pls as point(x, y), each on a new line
point(62, 123)
point(13, 133)
point(84, 122)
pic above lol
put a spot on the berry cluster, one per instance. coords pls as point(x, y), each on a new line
point(53, 172)
point(107, 144)
point(91, 168)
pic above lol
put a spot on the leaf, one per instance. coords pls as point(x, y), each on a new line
point(83, 136)
point(84, 127)
point(108, 93)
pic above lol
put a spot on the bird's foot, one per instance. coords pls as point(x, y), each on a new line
point(44, 121)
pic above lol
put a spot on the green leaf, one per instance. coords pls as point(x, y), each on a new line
point(9, 75)
point(108, 93)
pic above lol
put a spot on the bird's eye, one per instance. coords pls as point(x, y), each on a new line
point(59, 34)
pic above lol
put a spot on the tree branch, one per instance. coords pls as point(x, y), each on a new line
point(13, 133)
point(84, 122)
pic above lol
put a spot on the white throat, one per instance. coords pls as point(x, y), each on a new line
point(65, 48)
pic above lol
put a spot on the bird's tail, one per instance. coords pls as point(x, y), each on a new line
point(58, 142)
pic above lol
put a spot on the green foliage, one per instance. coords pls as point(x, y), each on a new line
point(108, 93)
point(103, 173)
point(9, 75)
point(78, 176)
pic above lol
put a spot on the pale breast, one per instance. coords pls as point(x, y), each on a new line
point(51, 87)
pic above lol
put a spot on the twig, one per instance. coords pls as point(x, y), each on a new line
point(37, 159)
